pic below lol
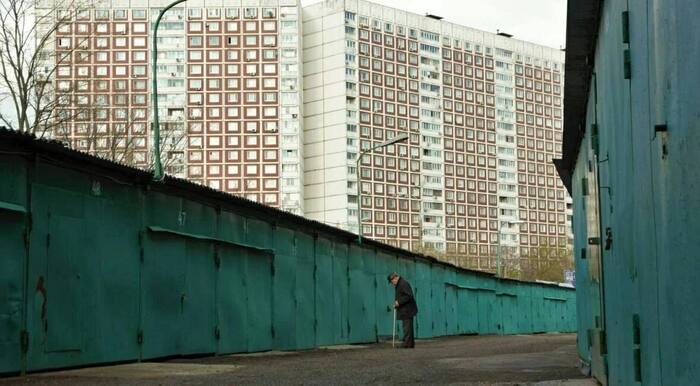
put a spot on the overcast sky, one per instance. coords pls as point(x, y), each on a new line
point(537, 21)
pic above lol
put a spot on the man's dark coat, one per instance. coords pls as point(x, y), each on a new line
point(407, 302)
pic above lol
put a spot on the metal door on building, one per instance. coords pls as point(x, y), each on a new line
point(178, 311)
point(591, 187)
point(12, 228)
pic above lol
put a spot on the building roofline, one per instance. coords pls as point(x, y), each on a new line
point(583, 20)
point(441, 21)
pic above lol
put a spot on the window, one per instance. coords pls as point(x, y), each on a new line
point(269, 13)
point(269, 40)
point(250, 13)
point(269, 26)
point(232, 13)
point(213, 13)
point(195, 41)
point(194, 13)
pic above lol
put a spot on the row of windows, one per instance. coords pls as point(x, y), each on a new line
point(100, 56)
point(232, 112)
point(115, 144)
point(138, 157)
point(469, 134)
point(391, 68)
point(388, 81)
point(388, 55)
point(537, 86)
point(483, 256)
point(233, 156)
point(235, 13)
point(193, 13)
point(539, 133)
point(248, 97)
point(247, 55)
point(101, 71)
point(542, 217)
point(230, 126)
point(378, 40)
point(388, 94)
point(537, 97)
point(532, 167)
point(215, 84)
point(539, 192)
point(537, 74)
point(457, 57)
point(120, 130)
point(231, 41)
point(467, 71)
point(101, 114)
point(101, 100)
point(250, 142)
point(215, 69)
point(84, 43)
point(235, 186)
point(532, 156)
point(229, 27)
point(549, 147)
point(538, 180)
point(100, 14)
point(538, 109)
point(461, 226)
point(99, 29)
point(533, 120)
point(228, 170)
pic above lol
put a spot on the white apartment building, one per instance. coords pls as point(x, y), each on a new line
point(483, 113)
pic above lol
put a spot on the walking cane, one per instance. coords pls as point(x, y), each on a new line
point(393, 330)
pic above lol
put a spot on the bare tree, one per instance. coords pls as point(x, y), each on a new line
point(29, 62)
point(546, 263)
point(40, 49)
point(125, 140)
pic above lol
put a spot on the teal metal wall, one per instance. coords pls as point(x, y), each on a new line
point(98, 265)
point(642, 138)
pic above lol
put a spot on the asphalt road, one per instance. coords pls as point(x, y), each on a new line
point(464, 360)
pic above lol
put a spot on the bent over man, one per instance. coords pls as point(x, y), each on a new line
point(406, 308)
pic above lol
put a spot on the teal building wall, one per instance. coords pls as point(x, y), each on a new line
point(631, 146)
point(99, 264)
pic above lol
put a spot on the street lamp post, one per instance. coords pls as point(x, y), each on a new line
point(398, 138)
point(158, 166)
point(500, 234)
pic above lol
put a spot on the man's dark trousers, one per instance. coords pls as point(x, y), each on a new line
point(408, 339)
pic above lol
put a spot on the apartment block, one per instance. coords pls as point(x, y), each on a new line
point(229, 81)
point(482, 112)
point(251, 105)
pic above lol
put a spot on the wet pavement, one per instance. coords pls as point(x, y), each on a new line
point(532, 360)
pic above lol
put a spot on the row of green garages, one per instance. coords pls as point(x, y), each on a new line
point(98, 265)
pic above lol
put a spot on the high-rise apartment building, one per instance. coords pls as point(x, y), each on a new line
point(229, 80)
point(483, 114)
